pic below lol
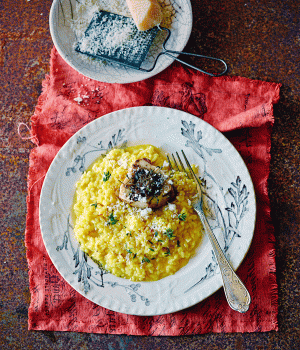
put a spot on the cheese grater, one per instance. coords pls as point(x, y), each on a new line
point(115, 38)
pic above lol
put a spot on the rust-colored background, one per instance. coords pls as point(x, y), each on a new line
point(258, 40)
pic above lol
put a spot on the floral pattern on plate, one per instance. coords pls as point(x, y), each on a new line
point(229, 204)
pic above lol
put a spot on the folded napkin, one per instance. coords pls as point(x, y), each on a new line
point(240, 108)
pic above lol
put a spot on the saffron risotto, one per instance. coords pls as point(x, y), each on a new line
point(129, 242)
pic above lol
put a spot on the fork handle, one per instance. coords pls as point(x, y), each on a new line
point(236, 293)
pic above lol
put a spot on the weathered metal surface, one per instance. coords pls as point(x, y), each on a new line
point(258, 40)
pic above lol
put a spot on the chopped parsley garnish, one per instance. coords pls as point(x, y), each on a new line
point(169, 233)
point(145, 259)
point(128, 234)
point(182, 217)
point(168, 252)
point(129, 251)
point(152, 250)
point(94, 205)
point(106, 176)
point(178, 243)
point(112, 220)
point(155, 233)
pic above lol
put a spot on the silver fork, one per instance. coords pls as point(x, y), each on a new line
point(236, 293)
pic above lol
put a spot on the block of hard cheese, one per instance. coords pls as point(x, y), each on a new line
point(145, 13)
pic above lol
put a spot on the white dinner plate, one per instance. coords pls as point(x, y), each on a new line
point(63, 12)
point(229, 203)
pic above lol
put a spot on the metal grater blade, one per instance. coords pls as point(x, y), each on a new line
point(116, 38)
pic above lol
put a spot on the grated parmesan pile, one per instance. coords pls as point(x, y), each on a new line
point(107, 38)
point(85, 10)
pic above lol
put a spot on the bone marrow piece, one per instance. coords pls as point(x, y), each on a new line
point(146, 186)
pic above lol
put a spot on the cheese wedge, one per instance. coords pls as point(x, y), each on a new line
point(145, 13)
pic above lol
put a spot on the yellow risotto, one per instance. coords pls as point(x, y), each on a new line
point(137, 244)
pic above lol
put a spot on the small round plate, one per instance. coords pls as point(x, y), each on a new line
point(63, 14)
point(228, 196)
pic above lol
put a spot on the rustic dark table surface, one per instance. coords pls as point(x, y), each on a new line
point(260, 39)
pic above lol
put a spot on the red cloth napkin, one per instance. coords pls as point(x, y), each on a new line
point(240, 108)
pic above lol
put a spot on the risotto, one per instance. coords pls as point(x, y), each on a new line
point(140, 244)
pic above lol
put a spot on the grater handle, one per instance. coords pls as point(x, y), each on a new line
point(170, 54)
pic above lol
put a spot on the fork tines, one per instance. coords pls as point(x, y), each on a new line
point(178, 164)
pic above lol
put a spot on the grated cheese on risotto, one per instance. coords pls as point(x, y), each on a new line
point(130, 242)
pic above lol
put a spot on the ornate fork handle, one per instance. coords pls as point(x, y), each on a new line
point(236, 293)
